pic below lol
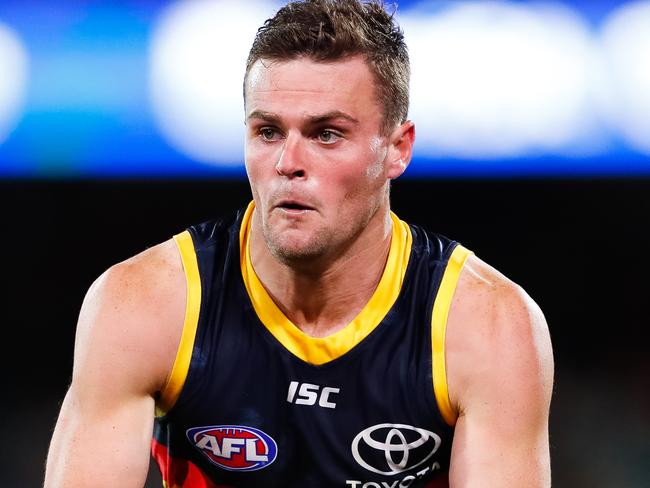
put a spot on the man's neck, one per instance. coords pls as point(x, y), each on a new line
point(323, 302)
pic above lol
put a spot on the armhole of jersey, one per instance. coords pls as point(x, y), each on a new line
point(439, 316)
point(172, 389)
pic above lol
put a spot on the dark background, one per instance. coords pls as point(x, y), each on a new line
point(580, 249)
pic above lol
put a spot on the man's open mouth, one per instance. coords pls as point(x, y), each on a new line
point(294, 206)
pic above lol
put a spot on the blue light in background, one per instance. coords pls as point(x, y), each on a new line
point(89, 106)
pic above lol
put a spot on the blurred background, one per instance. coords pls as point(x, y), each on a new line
point(121, 123)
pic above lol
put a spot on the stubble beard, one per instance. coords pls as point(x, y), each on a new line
point(313, 253)
point(295, 252)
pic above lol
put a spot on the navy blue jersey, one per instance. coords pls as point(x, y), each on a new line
point(252, 401)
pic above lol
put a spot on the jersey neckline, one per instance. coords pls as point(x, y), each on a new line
point(321, 350)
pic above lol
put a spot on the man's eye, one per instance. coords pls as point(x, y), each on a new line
point(328, 137)
point(268, 134)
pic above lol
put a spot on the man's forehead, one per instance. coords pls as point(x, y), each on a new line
point(306, 88)
point(305, 74)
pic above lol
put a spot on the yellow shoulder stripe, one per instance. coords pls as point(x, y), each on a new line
point(314, 350)
point(439, 317)
point(176, 380)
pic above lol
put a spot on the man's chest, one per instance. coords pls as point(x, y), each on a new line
point(251, 414)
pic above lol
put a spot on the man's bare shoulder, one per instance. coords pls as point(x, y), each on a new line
point(147, 277)
point(487, 291)
point(132, 317)
point(496, 334)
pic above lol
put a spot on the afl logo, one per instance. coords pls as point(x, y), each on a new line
point(393, 448)
point(234, 447)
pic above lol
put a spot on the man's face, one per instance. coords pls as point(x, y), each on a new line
point(315, 156)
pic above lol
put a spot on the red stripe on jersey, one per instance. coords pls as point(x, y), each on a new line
point(178, 472)
point(439, 482)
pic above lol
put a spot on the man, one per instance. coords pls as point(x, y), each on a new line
point(313, 340)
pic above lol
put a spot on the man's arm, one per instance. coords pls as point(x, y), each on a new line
point(128, 331)
point(500, 376)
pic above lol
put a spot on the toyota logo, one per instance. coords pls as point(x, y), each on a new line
point(397, 447)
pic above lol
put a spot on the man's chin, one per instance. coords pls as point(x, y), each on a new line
point(295, 255)
point(293, 250)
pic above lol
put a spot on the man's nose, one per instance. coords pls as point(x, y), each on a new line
point(291, 162)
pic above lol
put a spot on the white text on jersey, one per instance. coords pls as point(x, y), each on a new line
point(309, 394)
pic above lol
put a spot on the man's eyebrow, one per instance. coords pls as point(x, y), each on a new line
point(260, 114)
point(335, 114)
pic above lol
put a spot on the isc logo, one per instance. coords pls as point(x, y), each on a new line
point(234, 447)
point(309, 394)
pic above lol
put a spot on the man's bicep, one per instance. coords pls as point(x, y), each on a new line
point(100, 447)
point(501, 436)
point(103, 433)
point(487, 453)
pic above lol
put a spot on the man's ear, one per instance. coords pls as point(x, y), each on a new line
point(400, 149)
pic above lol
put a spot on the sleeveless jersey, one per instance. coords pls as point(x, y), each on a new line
point(252, 401)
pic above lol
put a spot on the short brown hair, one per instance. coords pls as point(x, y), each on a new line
point(330, 30)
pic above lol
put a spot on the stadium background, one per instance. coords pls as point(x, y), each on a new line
point(118, 129)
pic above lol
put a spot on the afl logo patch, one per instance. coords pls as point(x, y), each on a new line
point(234, 447)
point(393, 448)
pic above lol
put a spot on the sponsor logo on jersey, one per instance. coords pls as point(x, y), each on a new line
point(390, 449)
point(405, 482)
point(234, 447)
point(309, 394)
